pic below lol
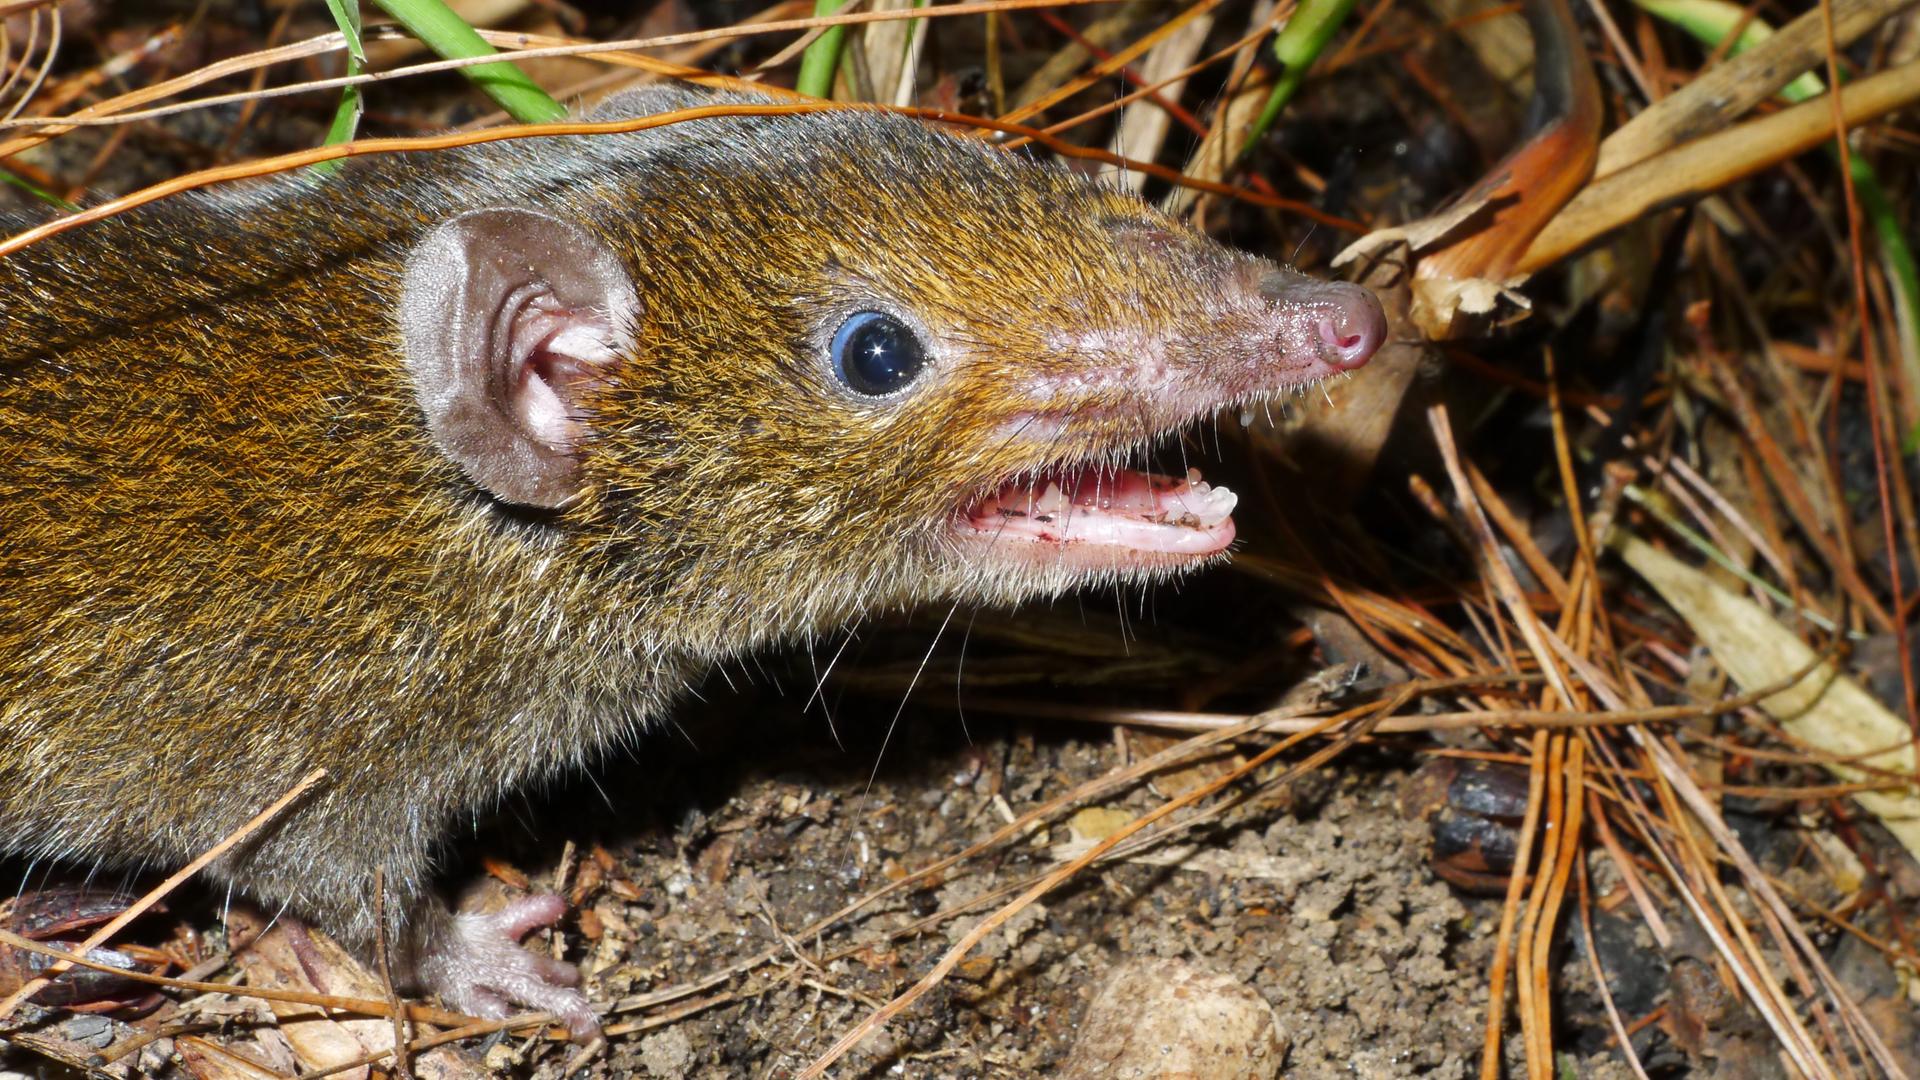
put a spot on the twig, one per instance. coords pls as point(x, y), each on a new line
point(1509, 912)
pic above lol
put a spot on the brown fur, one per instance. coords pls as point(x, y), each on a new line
point(232, 554)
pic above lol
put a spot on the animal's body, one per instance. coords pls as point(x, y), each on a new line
point(448, 474)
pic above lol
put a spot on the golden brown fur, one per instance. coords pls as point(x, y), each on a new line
point(232, 554)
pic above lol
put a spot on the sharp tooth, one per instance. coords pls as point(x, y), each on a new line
point(1193, 477)
point(1051, 500)
point(1213, 507)
point(1246, 417)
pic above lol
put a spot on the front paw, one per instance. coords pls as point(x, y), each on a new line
point(476, 965)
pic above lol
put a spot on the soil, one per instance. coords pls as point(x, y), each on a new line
point(1322, 902)
point(748, 820)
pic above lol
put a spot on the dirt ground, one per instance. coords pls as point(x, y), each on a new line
point(1324, 904)
point(716, 841)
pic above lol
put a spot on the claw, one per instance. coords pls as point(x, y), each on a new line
point(476, 965)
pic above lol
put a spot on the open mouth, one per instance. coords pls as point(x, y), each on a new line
point(1094, 517)
point(1280, 332)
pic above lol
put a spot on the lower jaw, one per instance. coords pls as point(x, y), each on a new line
point(1083, 559)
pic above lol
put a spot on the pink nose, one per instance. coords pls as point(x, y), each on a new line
point(1354, 327)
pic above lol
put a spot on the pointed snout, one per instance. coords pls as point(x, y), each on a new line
point(1348, 324)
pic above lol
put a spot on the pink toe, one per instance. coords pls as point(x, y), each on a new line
point(527, 914)
point(475, 964)
point(556, 972)
point(482, 1003)
point(581, 1021)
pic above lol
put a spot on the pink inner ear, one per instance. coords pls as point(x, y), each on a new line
point(558, 350)
point(540, 411)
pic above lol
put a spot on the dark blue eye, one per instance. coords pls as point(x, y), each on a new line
point(876, 354)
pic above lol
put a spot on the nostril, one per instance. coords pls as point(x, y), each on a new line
point(1332, 336)
point(1355, 329)
point(1347, 347)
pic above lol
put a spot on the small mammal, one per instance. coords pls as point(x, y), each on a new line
point(451, 473)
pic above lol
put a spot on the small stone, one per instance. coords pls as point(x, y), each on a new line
point(500, 1057)
point(89, 1030)
point(1171, 1019)
point(975, 969)
point(667, 1053)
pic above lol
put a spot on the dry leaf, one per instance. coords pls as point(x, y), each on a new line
point(1825, 710)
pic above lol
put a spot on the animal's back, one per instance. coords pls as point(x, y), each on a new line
point(207, 446)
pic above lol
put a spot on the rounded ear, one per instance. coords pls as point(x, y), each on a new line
point(505, 316)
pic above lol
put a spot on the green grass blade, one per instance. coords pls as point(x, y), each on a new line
point(1297, 46)
point(822, 58)
point(1710, 21)
point(13, 179)
point(346, 116)
point(447, 35)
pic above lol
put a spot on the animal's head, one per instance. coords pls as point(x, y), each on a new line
point(867, 359)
